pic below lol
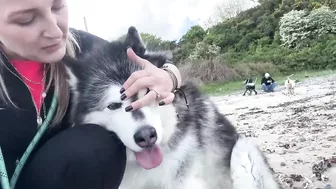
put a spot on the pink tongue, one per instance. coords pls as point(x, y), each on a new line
point(149, 158)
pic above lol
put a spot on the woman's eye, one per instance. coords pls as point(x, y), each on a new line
point(114, 106)
point(57, 8)
point(58, 5)
point(25, 22)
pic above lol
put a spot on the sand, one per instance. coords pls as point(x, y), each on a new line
point(295, 132)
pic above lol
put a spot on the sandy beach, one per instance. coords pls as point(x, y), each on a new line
point(297, 133)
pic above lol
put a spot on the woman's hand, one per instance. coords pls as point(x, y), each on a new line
point(157, 80)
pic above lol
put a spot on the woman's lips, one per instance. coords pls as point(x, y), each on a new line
point(52, 48)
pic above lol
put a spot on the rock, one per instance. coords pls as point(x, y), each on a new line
point(302, 139)
point(326, 146)
point(282, 164)
point(328, 186)
point(298, 148)
point(282, 152)
point(312, 148)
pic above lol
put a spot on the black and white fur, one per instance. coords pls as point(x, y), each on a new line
point(200, 148)
point(250, 86)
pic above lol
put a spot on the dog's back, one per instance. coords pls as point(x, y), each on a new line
point(249, 84)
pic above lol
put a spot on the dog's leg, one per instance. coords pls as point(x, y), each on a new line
point(287, 92)
point(249, 168)
point(255, 92)
point(245, 92)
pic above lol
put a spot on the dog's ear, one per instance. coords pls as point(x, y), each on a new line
point(134, 40)
point(74, 70)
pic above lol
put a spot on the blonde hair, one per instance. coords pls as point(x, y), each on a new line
point(57, 77)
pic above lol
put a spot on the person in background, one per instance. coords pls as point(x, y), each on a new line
point(268, 83)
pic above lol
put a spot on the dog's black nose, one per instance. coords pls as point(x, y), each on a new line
point(145, 137)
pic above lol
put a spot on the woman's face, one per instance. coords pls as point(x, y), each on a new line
point(34, 29)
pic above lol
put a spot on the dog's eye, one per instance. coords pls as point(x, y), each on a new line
point(114, 106)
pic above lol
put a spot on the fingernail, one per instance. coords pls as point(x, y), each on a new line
point(123, 97)
point(122, 90)
point(162, 103)
point(128, 108)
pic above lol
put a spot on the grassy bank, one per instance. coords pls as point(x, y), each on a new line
point(223, 88)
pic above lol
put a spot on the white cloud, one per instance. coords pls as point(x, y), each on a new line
point(168, 19)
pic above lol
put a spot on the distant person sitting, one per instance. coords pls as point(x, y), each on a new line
point(267, 82)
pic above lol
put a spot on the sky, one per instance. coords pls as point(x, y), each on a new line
point(168, 19)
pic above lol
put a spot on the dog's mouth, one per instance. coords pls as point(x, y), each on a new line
point(149, 158)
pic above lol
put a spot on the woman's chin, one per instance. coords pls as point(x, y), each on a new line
point(52, 57)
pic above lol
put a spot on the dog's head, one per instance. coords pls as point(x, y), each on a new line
point(96, 81)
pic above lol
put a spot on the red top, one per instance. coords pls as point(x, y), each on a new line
point(34, 72)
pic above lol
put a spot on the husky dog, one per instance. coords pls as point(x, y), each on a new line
point(188, 144)
point(250, 86)
point(290, 85)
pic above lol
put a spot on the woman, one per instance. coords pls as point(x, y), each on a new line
point(34, 37)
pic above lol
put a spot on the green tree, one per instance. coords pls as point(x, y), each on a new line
point(188, 42)
point(298, 28)
point(205, 51)
point(151, 41)
point(194, 35)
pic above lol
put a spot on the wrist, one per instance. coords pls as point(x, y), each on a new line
point(174, 74)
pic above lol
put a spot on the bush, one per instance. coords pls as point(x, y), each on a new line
point(204, 51)
point(298, 28)
point(206, 71)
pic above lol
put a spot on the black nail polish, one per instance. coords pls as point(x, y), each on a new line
point(122, 90)
point(123, 97)
point(162, 103)
point(128, 108)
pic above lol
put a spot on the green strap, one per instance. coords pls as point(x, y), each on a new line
point(3, 172)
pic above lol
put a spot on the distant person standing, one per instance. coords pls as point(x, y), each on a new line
point(267, 82)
